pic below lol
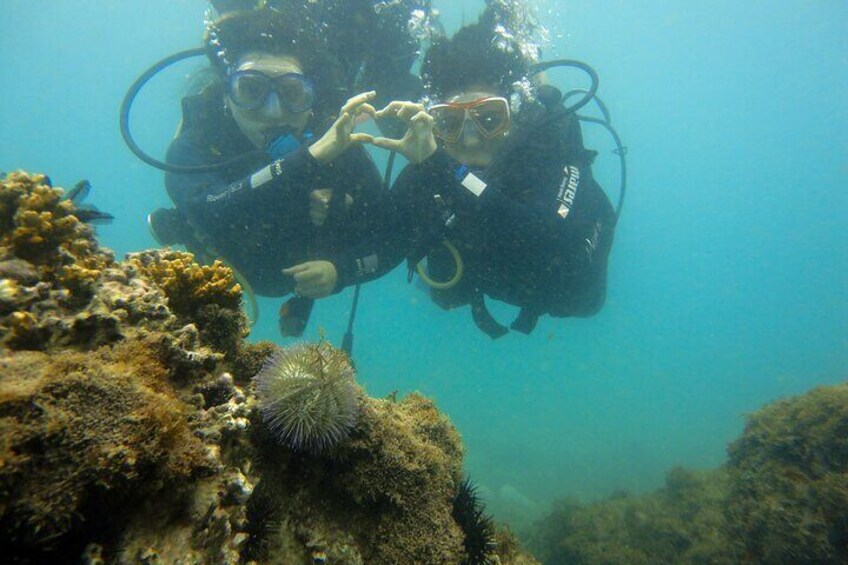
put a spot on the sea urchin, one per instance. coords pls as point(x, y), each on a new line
point(470, 514)
point(308, 397)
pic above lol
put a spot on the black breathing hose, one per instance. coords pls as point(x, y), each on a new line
point(126, 106)
point(589, 95)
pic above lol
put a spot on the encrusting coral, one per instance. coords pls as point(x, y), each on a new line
point(206, 295)
point(40, 228)
point(130, 432)
point(190, 287)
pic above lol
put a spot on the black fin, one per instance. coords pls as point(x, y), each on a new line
point(79, 192)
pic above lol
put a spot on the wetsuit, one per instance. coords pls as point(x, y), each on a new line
point(255, 214)
point(538, 235)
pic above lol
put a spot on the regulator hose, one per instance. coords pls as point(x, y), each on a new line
point(126, 106)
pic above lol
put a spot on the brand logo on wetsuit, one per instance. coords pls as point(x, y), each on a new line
point(568, 190)
point(232, 189)
point(592, 240)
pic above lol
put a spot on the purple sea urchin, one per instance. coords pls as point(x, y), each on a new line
point(308, 397)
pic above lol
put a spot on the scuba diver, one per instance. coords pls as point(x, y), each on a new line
point(498, 195)
point(260, 114)
point(284, 181)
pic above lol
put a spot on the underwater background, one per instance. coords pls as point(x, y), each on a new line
point(729, 276)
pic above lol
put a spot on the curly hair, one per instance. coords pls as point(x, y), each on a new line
point(475, 55)
point(279, 31)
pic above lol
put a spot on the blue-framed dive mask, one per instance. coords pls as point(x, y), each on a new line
point(250, 89)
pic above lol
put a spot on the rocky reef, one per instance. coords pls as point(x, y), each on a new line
point(788, 499)
point(781, 498)
point(130, 430)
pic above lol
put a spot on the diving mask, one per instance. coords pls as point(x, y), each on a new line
point(490, 117)
point(250, 89)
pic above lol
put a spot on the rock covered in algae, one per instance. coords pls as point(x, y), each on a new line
point(76, 427)
point(384, 497)
point(102, 385)
point(781, 498)
point(680, 523)
point(788, 499)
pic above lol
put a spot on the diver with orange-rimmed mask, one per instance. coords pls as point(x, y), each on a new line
point(498, 199)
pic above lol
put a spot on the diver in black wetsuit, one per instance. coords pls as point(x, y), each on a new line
point(304, 190)
point(504, 204)
point(284, 69)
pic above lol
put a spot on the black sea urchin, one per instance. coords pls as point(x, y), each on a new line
point(308, 397)
point(470, 514)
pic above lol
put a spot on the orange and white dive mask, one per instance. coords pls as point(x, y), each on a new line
point(489, 115)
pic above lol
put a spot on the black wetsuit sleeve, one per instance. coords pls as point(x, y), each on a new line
point(211, 195)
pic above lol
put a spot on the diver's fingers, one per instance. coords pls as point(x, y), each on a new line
point(308, 277)
point(361, 138)
point(343, 122)
point(319, 205)
point(387, 143)
point(392, 109)
point(410, 110)
point(293, 271)
point(363, 109)
point(357, 100)
point(421, 120)
point(401, 110)
point(364, 113)
point(367, 109)
point(317, 217)
point(321, 195)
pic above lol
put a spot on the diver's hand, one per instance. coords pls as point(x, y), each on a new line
point(319, 205)
point(313, 279)
point(340, 136)
point(418, 142)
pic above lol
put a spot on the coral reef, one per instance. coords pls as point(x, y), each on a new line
point(781, 498)
point(308, 397)
point(130, 431)
point(41, 233)
point(205, 295)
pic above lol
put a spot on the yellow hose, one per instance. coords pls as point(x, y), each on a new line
point(450, 283)
point(251, 306)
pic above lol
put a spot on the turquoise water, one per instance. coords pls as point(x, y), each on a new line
point(729, 273)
